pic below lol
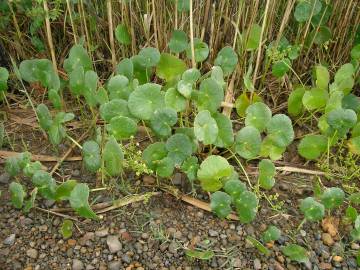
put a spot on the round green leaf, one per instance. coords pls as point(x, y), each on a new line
point(145, 100)
point(332, 197)
point(341, 120)
point(254, 36)
point(174, 100)
point(234, 188)
point(91, 156)
point(179, 147)
point(246, 206)
point(170, 67)
point(31, 168)
point(321, 35)
point(205, 128)
point(45, 184)
point(248, 142)
point(243, 101)
point(79, 201)
point(273, 233)
point(113, 108)
point(185, 88)
point(17, 194)
point(227, 60)
point(190, 166)
point(78, 57)
point(178, 42)
point(12, 166)
point(153, 153)
point(295, 106)
point(312, 210)
point(113, 157)
point(304, 10)
point(44, 116)
point(165, 167)
point(354, 145)
point(4, 75)
point(220, 204)
point(322, 77)
point(279, 68)
point(118, 87)
point(355, 52)
point(149, 57)
point(122, 127)
point(344, 78)
point(352, 102)
point(191, 75)
point(66, 228)
point(295, 253)
point(201, 50)
point(212, 170)
point(125, 68)
point(267, 172)
point(280, 130)
point(63, 191)
point(210, 95)
point(225, 136)
point(258, 115)
point(312, 146)
point(122, 34)
point(162, 121)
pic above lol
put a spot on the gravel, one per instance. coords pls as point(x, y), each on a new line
point(32, 253)
point(113, 243)
point(77, 264)
point(10, 240)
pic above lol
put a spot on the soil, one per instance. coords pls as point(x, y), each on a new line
point(155, 234)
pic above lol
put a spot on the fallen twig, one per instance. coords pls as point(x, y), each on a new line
point(34, 157)
point(195, 202)
point(56, 214)
point(299, 170)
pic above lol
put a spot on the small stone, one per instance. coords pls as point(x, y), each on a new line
point(32, 253)
point(43, 228)
point(355, 246)
point(49, 203)
point(173, 248)
point(89, 267)
point(148, 180)
point(4, 178)
point(325, 266)
point(77, 265)
point(237, 263)
point(213, 233)
point(10, 240)
point(144, 236)
point(257, 264)
point(302, 233)
point(327, 239)
point(115, 265)
point(71, 242)
point(177, 235)
point(113, 243)
point(87, 237)
point(337, 258)
point(126, 258)
point(102, 233)
point(176, 180)
point(75, 172)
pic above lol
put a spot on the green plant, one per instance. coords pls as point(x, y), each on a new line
point(77, 194)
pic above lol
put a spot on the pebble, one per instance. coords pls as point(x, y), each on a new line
point(176, 180)
point(325, 266)
point(355, 246)
point(148, 180)
point(173, 248)
point(10, 240)
point(113, 243)
point(77, 265)
point(213, 233)
point(337, 258)
point(43, 228)
point(102, 233)
point(327, 239)
point(257, 264)
point(126, 258)
point(32, 253)
point(4, 178)
point(302, 233)
point(115, 265)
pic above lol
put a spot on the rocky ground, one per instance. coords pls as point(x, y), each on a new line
point(155, 235)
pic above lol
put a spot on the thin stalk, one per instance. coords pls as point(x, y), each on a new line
point(71, 21)
point(258, 58)
point(192, 36)
point(49, 36)
point(111, 33)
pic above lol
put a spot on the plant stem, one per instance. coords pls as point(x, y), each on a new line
point(49, 36)
point(192, 36)
point(111, 34)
